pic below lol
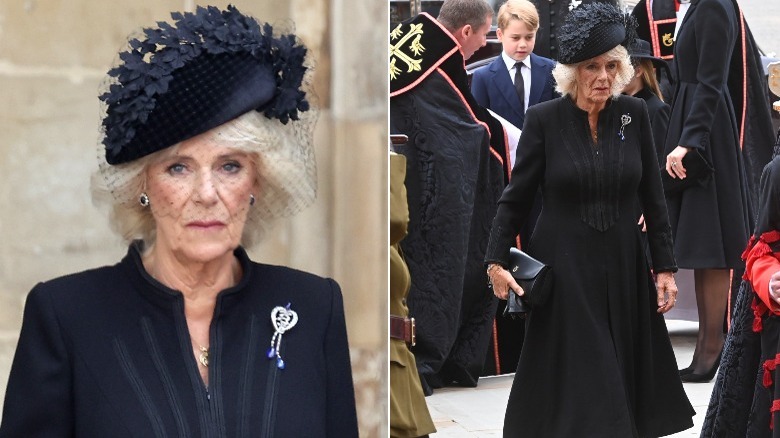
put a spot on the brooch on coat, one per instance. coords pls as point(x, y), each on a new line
point(625, 119)
point(283, 319)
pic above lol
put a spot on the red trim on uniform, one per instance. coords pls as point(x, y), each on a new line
point(744, 79)
point(653, 30)
point(497, 155)
point(775, 407)
point(759, 308)
point(728, 308)
point(426, 74)
point(508, 158)
point(769, 367)
point(495, 347)
point(466, 104)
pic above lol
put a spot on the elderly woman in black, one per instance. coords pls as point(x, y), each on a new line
point(207, 140)
point(596, 360)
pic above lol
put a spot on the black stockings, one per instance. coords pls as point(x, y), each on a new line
point(712, 291)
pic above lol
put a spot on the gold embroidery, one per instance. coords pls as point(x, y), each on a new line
point(667, 39)
point(396, 50)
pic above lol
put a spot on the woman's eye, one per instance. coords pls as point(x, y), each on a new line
point(231, 167)
point(176, 168)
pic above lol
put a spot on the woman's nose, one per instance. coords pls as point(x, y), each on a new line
point(206, 189)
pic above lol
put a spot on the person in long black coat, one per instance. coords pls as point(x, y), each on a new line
point(712, 221)
point(597, 360)
point(186, 336)
point(745, 396)
point(455, 173)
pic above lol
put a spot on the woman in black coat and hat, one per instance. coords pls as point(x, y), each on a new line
point(596, 359)
point(207, 141)
point(712, 212)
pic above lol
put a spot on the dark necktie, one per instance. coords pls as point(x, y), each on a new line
point(520, 85)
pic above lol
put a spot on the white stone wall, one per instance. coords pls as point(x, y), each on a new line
point(53, 56)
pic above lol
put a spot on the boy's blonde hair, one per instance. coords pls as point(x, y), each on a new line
point(522, 10)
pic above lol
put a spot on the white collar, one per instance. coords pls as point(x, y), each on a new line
point(510, 63)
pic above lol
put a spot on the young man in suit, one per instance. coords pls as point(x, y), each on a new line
point(498, 86)
point(501, 88)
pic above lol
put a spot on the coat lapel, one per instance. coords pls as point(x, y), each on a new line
point(505, 86)
point(538, 77)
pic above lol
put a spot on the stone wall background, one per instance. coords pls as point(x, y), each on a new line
point(53, 56)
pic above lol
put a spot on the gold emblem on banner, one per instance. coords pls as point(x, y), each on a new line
point(412, 59)
point(667, 40)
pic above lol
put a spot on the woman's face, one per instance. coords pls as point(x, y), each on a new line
point(636, 84)
point(199, 197)
point(595, 78)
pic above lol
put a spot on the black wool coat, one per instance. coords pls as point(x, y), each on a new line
point(107, 353)
point(596, 360)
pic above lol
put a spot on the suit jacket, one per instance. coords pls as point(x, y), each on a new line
point(107, 352)
point(493, 88)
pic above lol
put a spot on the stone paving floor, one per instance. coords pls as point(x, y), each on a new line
point(479, 412)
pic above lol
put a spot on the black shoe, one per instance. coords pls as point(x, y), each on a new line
point(686, 370)
point(692, 377)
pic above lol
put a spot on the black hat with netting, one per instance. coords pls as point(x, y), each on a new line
point(593, 29)
point(183, 79)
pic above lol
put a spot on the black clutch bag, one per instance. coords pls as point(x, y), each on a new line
point(698, 173)
point(534, 277)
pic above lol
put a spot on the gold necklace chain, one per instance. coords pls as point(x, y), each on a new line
point(203, 357)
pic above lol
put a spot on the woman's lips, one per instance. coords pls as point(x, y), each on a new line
point(206, 224)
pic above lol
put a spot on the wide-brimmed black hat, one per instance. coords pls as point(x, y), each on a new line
point(183, 79)
point(593, 29)
point(640, 49)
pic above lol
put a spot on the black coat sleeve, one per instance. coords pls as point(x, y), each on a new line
point(341, 414)
point(659, 121)
point(651, 196)
point(38, 400)
point(518, 197)
point(715, 34)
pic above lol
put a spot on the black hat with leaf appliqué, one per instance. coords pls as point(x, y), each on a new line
point(183, 79)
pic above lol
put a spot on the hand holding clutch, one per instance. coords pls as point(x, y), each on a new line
point(693, 170)
point(534, 277)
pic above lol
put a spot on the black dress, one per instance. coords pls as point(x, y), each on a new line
point(597, 360)
point(711, 224)
point(106, 353)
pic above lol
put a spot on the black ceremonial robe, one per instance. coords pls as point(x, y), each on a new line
point(454, 177)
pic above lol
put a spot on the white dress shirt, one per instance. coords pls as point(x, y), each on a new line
point(526, 72)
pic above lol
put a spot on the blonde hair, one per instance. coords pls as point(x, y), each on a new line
point(285, 171)
point(522, 10)
point(566, 74)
